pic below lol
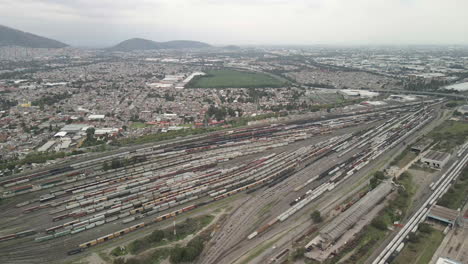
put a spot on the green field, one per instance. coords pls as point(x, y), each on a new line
point(450, 134)
point(235, 79)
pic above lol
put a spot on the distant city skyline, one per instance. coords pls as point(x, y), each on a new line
point(254, 22)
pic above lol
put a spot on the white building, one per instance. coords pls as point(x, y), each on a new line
point(96, 117)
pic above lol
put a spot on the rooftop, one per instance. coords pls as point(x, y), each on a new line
point(436, 155)
point(443, 214)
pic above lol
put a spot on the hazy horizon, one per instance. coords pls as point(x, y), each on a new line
point(255, 22)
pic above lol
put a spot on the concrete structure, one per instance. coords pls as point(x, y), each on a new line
point(74, 128)
point(358, 93)
point(463, 109)
point(421, 146)
point(60, 134)
point(435, 159)
point(96, 117)
point(442, 260)
point(443, 214)
point(46, 146)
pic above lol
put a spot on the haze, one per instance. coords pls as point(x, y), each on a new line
point(218, 22)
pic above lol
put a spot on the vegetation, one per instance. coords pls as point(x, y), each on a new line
point(155, 257)
point(119, 251)
point(138, 125)
point(421, 246)
point(457, 193)
point(188, 253)
point(298, 253)
point(6, 104)
point(90, 140)
point(403, 158)
point(35, 157)
point(51, 99)
point(378, 177)
point(176, 254)
point(120, 162)
point(316, 217)
point(228, 78)
point(161, 237)
point(450, 134)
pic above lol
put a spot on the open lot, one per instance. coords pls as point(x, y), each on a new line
point(450, 134)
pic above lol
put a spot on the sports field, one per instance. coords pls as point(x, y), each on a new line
point(235, 79)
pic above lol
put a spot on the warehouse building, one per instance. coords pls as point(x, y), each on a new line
point(96, 117)
point(421, 146)
point(435, 159)
point(442, 260)
point(443, 215)
point(463, 109)
point(74, 128)
point(334, 230)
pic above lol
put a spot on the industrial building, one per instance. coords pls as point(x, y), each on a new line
point(442, 260)
point(463, 109)
point(421, 145)
point(96, 117)
point(443, 215)
point(74, 128)
point(435, 159)
point(334, 230)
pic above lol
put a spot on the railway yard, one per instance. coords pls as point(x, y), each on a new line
point(277, 174)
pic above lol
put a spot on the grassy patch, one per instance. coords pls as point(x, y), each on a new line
point(119, 251)
point(403, 158)
point(104, 256)
point(162, 237)
point(155, 257)
point(457, 193)
point(450, 134)
point(228, 78)
point(176, 254)
point(422, 250)
point(138, 125)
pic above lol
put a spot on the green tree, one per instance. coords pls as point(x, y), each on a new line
point(316, 217)
point(379, 224)
point(90, 133)
point(425, 228)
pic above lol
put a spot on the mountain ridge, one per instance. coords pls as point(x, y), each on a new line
point(14, 37)
point(146, 44)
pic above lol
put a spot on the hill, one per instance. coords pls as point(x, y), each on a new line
point(145, 44)
point(14, 37)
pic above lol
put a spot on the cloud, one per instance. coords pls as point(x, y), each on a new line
point(91, 22)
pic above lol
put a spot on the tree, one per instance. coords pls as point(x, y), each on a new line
point(425, 228)
point(157, 236)
point(90, 133)
point(379, 224)
point(105, 166)
point(413, 238)
point(299, 253)
point(376, 179)
point(316, 217)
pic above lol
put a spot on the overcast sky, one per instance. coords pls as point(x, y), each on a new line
point(302, 22)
